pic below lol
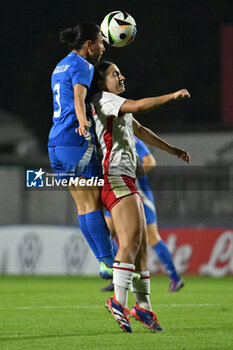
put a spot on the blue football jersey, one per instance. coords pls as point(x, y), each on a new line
point(73, 69)
point(142, 151)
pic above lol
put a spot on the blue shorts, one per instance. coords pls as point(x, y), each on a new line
point(75, 161)
point(150, 213)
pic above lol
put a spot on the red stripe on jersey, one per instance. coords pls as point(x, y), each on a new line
point(123, 268)
point(108, 142)
point(145, 277)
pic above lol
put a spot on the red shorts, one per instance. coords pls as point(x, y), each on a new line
point(115, 188)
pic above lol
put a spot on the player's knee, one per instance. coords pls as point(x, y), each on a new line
point(150, 239)
point(81, 208)
point(131, 245)
point(85, 206)
point(153, 234)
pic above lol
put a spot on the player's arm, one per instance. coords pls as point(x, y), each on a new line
point(148, 163)
point(152, 139)
point(80, 93)
point(150, 103)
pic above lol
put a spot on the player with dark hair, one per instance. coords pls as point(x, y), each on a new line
point(73, 154)
point(154, 239)
point(115, 127)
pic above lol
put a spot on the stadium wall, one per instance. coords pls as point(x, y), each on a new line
point(44, 249)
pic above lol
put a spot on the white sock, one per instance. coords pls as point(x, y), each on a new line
point(141, 290)
point(122, 280)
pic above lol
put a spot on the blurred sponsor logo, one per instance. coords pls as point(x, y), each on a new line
point(29, 252)
point(203, 251)
point(75, 251)
point(221, 259)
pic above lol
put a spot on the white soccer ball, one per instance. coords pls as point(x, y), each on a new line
point(118, 29)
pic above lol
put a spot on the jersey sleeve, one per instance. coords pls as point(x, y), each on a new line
point(141, 148)
point(108, 103)
point(83, 73)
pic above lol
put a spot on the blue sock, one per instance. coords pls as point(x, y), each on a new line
point(165, 257)
point(84, 229)
point(100, 234)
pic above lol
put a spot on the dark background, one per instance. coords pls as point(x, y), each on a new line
point(178, 45)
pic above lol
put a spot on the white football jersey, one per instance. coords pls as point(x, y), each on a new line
point(114, 135)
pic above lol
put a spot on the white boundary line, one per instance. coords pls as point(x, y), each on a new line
point(53, 307)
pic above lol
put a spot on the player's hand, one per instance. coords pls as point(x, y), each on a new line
point(82, 129)
point(180, 153)
point(181, 94)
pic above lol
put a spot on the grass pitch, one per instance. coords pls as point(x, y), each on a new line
point(67, 313)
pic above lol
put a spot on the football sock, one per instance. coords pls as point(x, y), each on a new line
point(141, 290)
point(165, 257)
point(122, 280)
point(85, 232)
point(100, 234)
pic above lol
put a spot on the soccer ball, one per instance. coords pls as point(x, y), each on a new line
point(118, 29)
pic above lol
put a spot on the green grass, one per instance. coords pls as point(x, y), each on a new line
point(68, 313)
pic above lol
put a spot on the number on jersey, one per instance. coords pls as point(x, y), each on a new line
point(57, 91)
